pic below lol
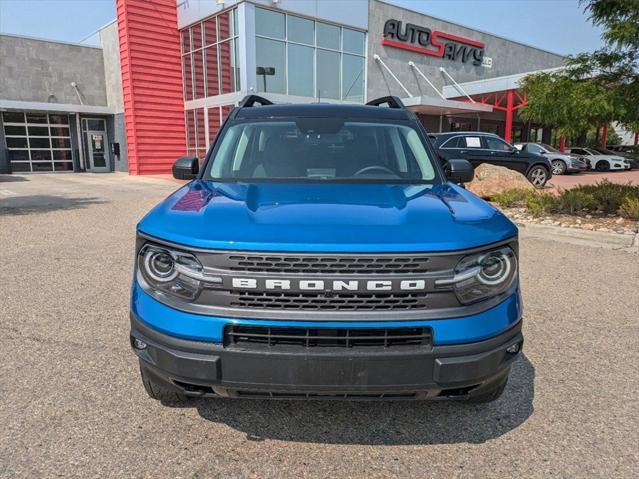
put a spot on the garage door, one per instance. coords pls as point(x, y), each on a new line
point(38, 142)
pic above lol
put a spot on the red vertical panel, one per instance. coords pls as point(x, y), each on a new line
point(151, 84)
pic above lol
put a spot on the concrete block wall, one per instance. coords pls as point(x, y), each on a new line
point(508, 57)
point(42, 71)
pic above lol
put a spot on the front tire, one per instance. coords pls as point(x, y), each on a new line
point(558, 167)
point(159, 392)
point(602, 165)
point(538, 176)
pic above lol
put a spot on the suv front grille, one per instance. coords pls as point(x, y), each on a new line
point(258, 337)
point(323, 301)
point(328, 264)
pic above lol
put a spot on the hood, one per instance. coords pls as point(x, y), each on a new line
point(326, 217)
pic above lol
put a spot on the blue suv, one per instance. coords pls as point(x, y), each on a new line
point(324, 252)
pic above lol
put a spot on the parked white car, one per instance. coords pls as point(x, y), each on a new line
point(601, 162)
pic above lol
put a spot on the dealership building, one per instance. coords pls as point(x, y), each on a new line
point(165, 74)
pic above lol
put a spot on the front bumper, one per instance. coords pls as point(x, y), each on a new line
point(197, 368)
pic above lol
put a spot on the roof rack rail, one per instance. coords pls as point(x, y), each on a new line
point(391, 101)
point(250, 100)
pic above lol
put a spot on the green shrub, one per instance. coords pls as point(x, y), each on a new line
point(604, 197)
point(511, 197)
point(541, 203)
point(576, 200)
point(630, 208)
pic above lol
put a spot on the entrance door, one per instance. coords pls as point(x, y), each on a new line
point(97, 147)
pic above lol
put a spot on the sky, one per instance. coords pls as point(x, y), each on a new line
point(556, 25)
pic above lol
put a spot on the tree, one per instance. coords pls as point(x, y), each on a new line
point(597, 87)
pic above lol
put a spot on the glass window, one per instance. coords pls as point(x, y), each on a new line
point(14, 130)
point(94, 124)
point(13, 117)
point(198, 74)
point(210, 32)
point(228, 62)
point(225, 26)
point(40, 155)
point(494, 143)
point(212, 80)
point(188, 77)
point(473, 142)
point(18, 155)
point(37, 118)
point(328, 81)
point(42, 166)
point(352, 78)
point(61, 155)
point(59, 119)
point(300, 30)
point(300, 70)
point(214, 122)
point(20, 167)
point(59, 130)
point(196, 36)
point(535, 148)
point(322, 149)
point(38, 131)
point(186, 40)
point(39, 143)
point(353, 41)
point(17, 142)
point(327, 36)
point(63, 166)
point(271, 54)
point(201, 128)
point(60, 143)
point(269, 23)
point(454, 142)
point(190, 129)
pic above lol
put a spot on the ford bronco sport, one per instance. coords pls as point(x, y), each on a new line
point(323, 252)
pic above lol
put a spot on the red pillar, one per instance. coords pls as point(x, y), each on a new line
point(636, 137)
point(151, 66)
point(597, 136)
point(562, 143)
point(604, 136)
point(509, 116)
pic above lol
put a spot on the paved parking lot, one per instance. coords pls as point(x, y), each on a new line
point(72, 405)
point(593, 177)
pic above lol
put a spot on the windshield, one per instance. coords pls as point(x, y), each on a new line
point(550, 148)
point(321, 149)
point(591, 151)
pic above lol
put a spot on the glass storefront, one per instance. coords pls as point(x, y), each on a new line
point(298, 56)
point(38, 141)
point(210, 56)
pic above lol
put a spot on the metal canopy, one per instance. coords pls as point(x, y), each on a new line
point(428, 105)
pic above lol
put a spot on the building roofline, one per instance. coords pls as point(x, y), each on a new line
point(48, 40)
point(390, 3)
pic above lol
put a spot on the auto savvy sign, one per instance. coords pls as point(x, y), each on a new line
point(415, 38)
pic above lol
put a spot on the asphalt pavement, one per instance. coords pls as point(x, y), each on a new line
point(72, 404)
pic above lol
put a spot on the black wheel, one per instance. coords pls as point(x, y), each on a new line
point(602, 165)
point(538, 176)
point(489, 395)
point(159, 392)
point(558, 167)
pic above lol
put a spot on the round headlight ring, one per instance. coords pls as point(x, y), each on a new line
point(495, 268)
point(160, 265)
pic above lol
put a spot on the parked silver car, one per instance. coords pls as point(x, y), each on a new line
point(562, 163)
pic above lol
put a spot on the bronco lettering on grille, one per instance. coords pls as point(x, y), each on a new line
point(333, 285)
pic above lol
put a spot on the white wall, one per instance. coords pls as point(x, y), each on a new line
point(346, 12)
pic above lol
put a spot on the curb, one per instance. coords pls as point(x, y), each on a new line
point(597, 239)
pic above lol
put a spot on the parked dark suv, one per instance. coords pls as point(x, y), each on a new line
point(478, 148)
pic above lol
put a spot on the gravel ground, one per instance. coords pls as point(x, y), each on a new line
point(72, 405)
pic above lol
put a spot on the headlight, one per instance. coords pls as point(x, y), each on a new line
point(174, 272)
point(483, 275)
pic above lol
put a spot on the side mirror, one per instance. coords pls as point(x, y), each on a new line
point(459, 171)
point(186, 168)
